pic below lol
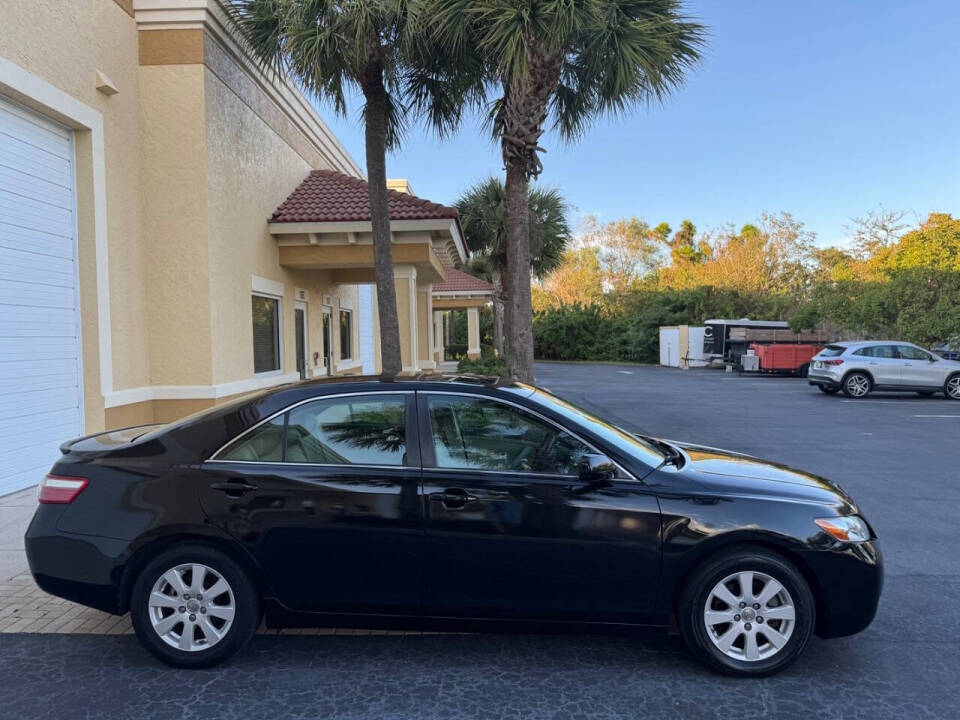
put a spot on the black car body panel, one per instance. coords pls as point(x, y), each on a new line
point(343, 541)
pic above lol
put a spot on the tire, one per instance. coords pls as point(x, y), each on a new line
point(700, 593)
point(951, 388)
point(804, 370)
point(215, 633)
point(857, 385)
point(828, 390)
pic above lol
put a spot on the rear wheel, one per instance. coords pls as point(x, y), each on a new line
point(194, 606)
point(804, 370)
point(747, 612)
point(952, 387)
point(857, 385)
point(828, 390)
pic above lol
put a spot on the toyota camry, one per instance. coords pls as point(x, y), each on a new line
point(446, 502)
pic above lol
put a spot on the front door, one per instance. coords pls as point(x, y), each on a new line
point(511, 530)
point(326, 497)
point(917, 369)
point(300, 331)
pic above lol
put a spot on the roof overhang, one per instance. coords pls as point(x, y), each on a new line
point(446, 238)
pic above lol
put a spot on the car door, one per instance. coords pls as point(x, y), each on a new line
point(325, 496)
point(512, 532)
point(884, 364)
point(917, 368)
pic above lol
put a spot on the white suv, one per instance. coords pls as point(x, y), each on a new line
point(858, 368)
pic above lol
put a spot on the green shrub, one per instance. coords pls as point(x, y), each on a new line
point(486, 365)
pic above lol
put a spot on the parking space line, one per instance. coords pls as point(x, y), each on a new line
point(938, 416)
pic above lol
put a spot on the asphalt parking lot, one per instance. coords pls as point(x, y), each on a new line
point(897, 455)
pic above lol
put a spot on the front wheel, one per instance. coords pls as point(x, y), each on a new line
point(952, 387)
point(747, 612)
point(194, 606)
point(857, 385)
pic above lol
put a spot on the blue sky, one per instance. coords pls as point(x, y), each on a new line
point(822, 108)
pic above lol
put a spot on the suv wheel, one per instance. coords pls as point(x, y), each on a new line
point(747, 612)
point(857, 385)
point(952, 387)
point(193, 606)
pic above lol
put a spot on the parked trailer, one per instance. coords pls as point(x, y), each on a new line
point(681, 346)
point(793, 358)
point(725, 341)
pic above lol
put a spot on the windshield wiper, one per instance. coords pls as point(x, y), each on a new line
point(672, 455)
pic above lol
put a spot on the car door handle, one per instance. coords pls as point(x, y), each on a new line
point(234, 487)
point(454, 498)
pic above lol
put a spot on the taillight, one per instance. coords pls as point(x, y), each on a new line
point(60, 489)
point(833, 361)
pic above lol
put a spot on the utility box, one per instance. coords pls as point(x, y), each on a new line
point(681, 346)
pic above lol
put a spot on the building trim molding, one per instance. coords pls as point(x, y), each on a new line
point(196, 392)
point(40, 95)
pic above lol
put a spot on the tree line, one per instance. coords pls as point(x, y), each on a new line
point(618, 282)
point(526, 65)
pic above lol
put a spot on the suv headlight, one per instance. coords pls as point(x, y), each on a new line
point(848, 528)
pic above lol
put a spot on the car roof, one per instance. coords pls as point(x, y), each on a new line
point(864, 343)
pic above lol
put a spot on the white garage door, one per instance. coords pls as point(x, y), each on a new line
point(40, 380)
point(365, 320)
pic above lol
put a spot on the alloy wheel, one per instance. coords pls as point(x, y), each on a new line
point(953, 387)
point(749, 616)
point(858, 385)
point(191, 607)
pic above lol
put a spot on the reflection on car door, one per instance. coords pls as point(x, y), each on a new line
point(512, 532)
point(327, 501)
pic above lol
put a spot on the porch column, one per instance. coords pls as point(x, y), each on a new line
point(473, 333)
point(438, 336)
point(405, 280)
point(425, 326)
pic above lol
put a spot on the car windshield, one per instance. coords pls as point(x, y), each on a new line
point(643, 450)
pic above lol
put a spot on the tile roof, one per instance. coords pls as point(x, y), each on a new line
point(329, 196)
point(459, 281)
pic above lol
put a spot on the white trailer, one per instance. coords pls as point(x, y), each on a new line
point(682, 346)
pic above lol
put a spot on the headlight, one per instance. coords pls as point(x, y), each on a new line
point(849, 528)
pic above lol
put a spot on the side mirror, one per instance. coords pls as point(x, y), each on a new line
point(596, 468)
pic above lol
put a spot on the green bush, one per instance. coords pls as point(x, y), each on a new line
point(486, 365)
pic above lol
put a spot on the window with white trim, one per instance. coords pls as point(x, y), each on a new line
point(266, 333)
point(346, 334)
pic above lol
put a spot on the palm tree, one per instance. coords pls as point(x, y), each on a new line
point(332, 46)
point(562, 62)
point(483, 216)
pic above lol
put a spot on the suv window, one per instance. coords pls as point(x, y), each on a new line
point(354, 430)
point(483, 434)
point(879, 351)
point(908, 352)
point(832, 351)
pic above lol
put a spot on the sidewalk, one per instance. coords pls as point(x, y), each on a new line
point(16, 510)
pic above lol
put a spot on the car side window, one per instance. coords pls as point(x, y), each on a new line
point(264, 444)
point(882, 351)
point(864, 352)
point(351, 430)
point(355, 430)
point(908, 352)
point(483, 434)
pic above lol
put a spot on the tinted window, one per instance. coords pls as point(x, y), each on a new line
point(833, 351)
point(266, 334)
point(359, 430)
point(482, 434)
point(265, 444)
point(908, 352)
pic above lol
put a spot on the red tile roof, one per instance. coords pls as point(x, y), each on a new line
point(458, 281)
point(329, 196)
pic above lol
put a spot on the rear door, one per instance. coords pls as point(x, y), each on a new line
point(883, 363)
point(326, 497)
point(511, 532)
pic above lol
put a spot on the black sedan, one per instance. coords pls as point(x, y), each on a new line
point(448, 502)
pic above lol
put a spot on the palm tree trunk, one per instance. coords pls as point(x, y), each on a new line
point(497, 312)
point(519, 304)
point(375, 118)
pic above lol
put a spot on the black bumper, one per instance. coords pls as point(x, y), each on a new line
point(84, 569)
point(850, 581)
point(826, 382)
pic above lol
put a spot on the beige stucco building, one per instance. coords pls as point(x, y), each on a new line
point(152, 258)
